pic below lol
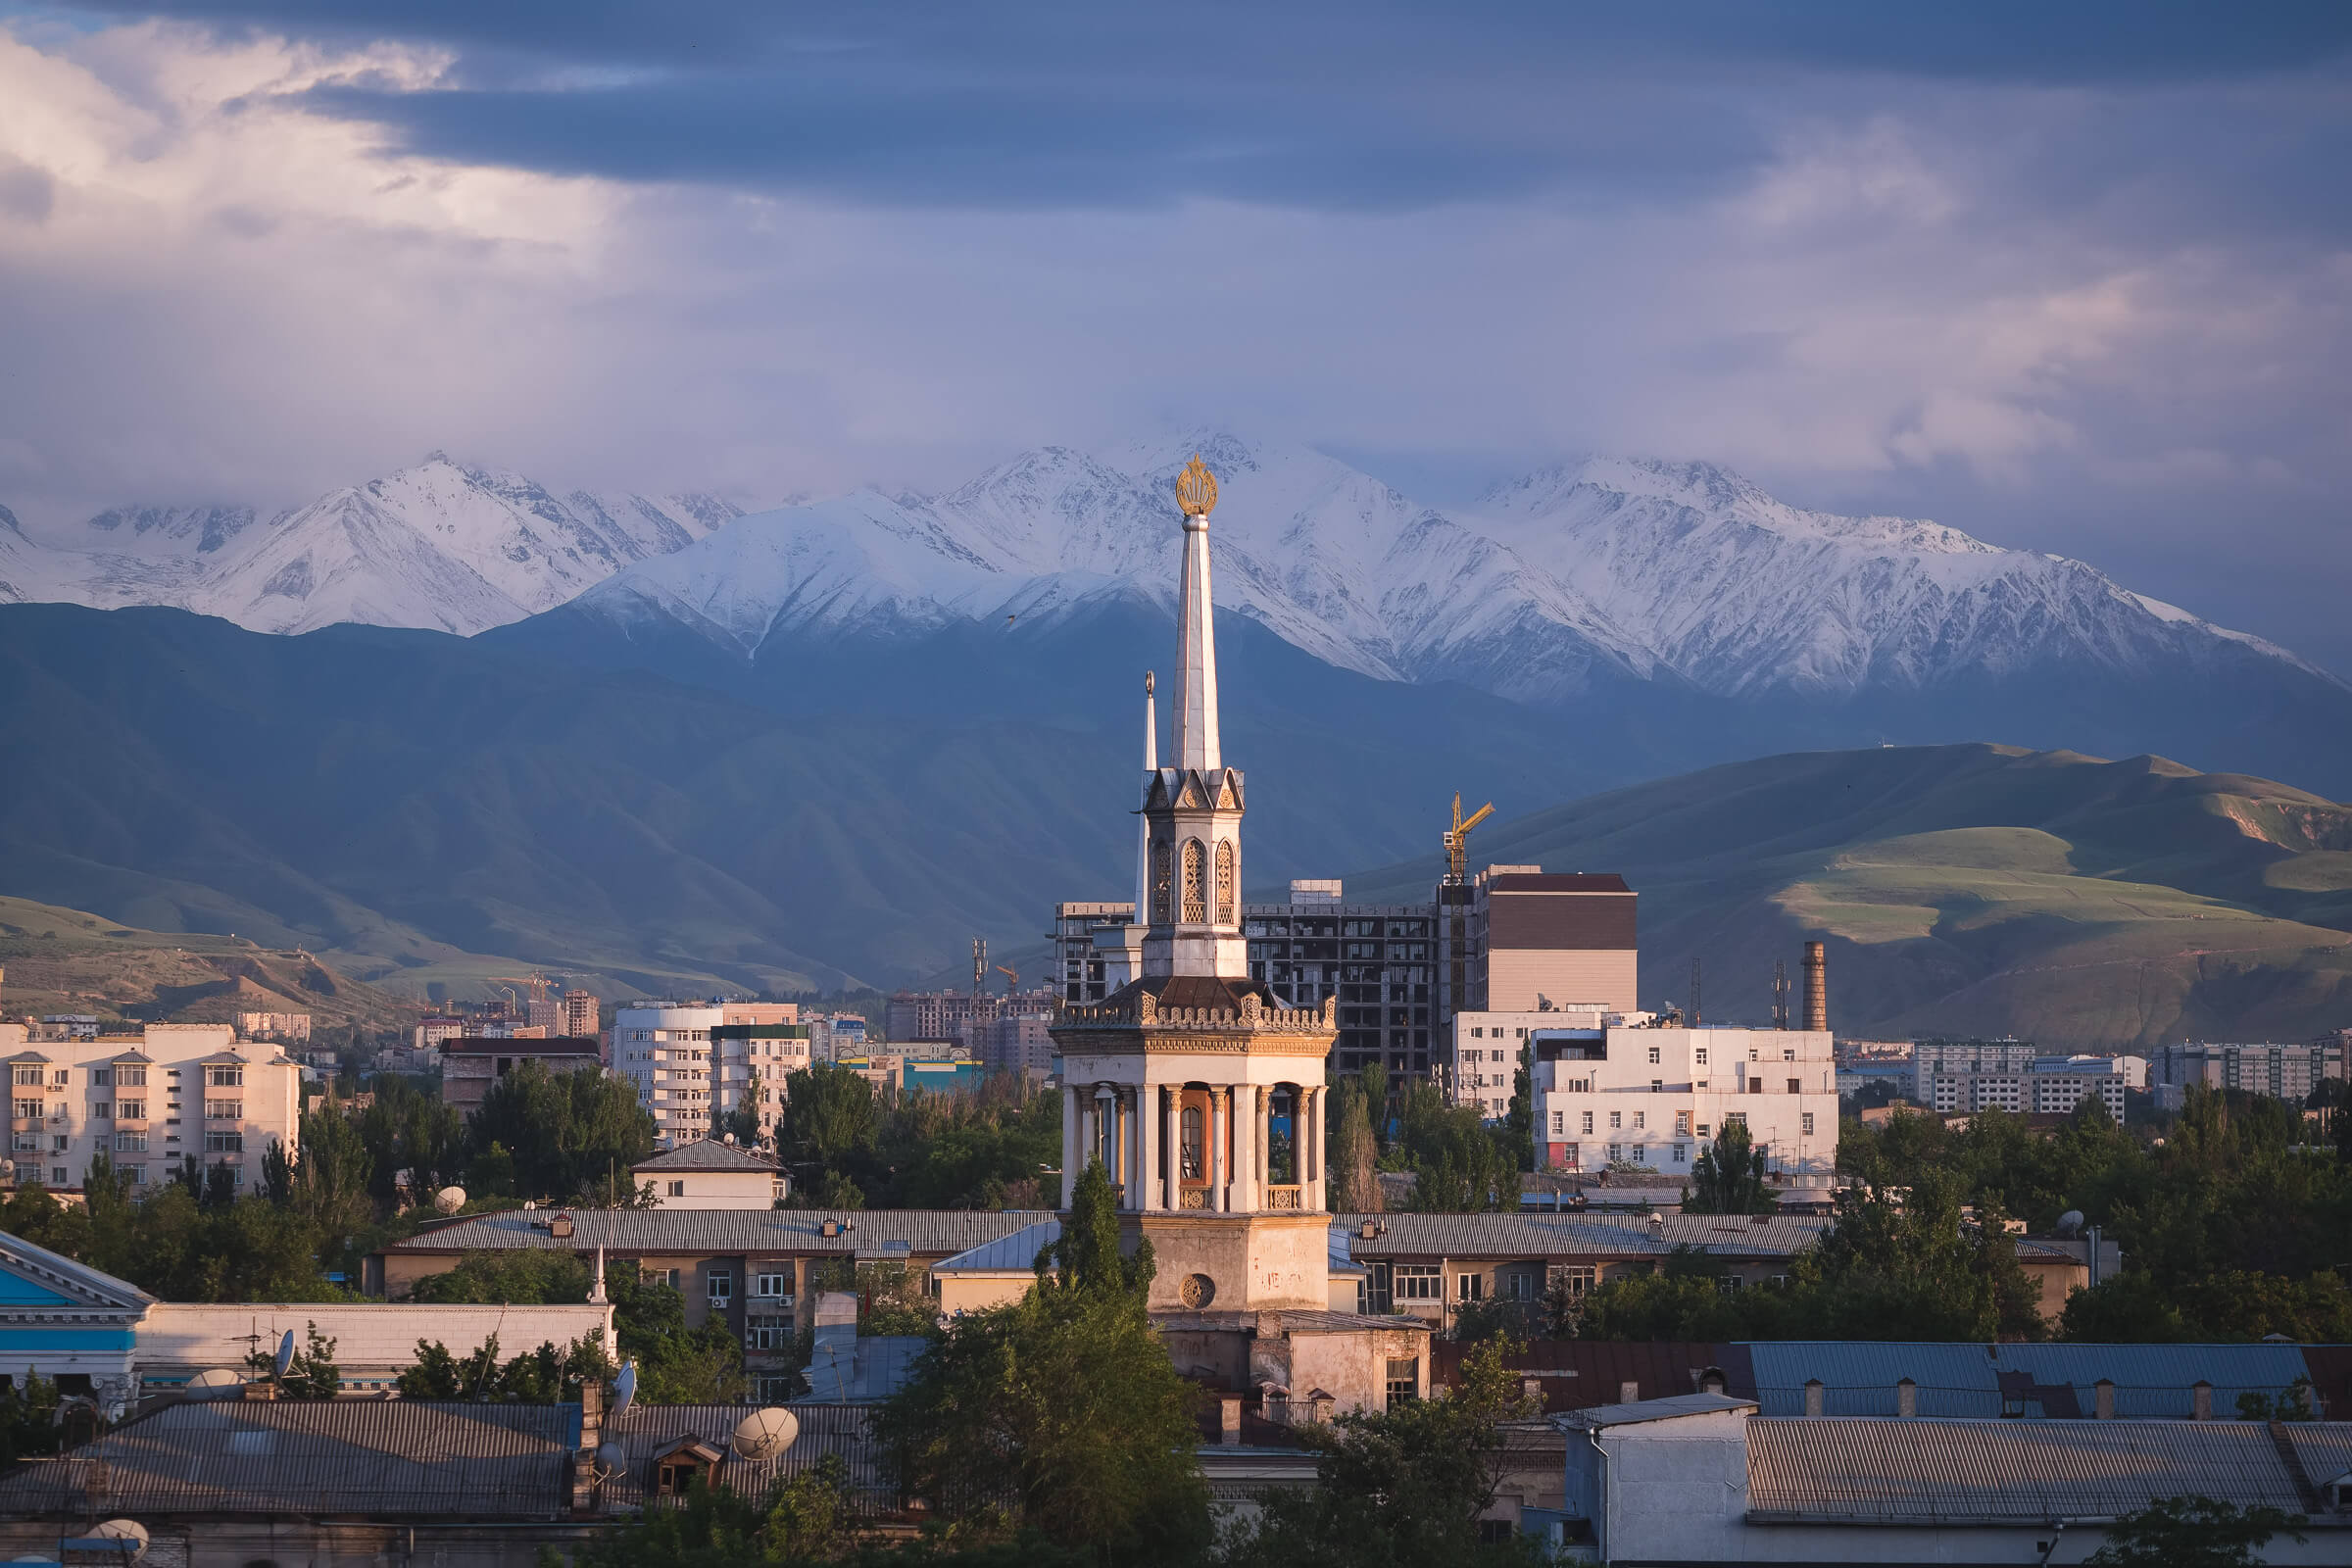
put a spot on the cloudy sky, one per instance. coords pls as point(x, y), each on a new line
point(2069, 277)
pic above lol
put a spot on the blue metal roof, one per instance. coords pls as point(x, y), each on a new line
point(2154, 1380)
point(1858, 1376)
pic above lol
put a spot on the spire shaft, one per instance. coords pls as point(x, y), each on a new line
point(1142, 828)
point(1195, 656)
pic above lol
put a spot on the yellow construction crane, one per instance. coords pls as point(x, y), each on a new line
point(1457, 838)
point(537, 982)
point(1013, 979)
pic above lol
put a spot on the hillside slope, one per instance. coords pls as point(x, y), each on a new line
point(1976, 890)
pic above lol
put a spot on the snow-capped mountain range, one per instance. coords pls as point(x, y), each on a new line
point(1654, 571)
point(1612, 568)
point(440, 545)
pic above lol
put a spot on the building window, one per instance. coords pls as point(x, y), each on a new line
point(1805, 1123)
point(224, 1143)
point(1616, 1120)
point(1571, 1280)
point(1470, 1286)
point(1404, 1380)
point(678, 1189)
point(1702, 1056)
point(722, 1288)
point(772, 1284)
point(56, 1176)
point(1616, 1153)
point(136, 1175)
point(130, 1143)
point(101, 1111)
point(29, 1077)
point(1641, 1120)
point(1558, 1120)
point(1195, 883)
point(224, 1109)
point(224, 1077)
point(1588, 1127)
point(131, 1077)
point(1225, 906)
point(101, 1077)
point(1190, 1140)
point(59, 1142)
point(130, 1109)
point(1797, 1086)
point(1162, 897)
point(32, 1110)
point(1678, 1154)
point(1681, 1124)
point(1417, 1282)
point(1657, 1086)
point(1653, 1055)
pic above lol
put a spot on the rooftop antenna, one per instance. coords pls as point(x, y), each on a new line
point(1780, 993)
point(1695, 993)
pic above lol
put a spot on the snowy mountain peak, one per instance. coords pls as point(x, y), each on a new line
point(170, 530)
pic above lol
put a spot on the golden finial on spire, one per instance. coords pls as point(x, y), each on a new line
point(1197, 489)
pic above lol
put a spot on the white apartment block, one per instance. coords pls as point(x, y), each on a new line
point(1635, 1095)
point(689, 1062)
point(2049, 1086)
point(147, 1101)
point(2286, 1072)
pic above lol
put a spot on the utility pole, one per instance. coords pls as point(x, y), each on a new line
point(1694, 1015)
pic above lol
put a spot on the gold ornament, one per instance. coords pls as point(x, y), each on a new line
point(1197, 489)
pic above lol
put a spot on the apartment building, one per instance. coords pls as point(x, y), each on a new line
point(292, 1028)
point(148, 1101)
point(2283, 1071)
point(2046, 1086)
point(1635, 1096)
point(471, 1063)
point(690, 1060)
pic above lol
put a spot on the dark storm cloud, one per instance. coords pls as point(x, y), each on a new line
point(1366, 107)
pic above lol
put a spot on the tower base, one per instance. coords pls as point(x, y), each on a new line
point(1211, 1262)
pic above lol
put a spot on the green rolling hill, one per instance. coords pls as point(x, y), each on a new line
point(1974, 890)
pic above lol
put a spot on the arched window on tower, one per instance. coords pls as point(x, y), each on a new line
point(1195, 883)
point(1193, 1146)
point(1164, 908)
point(1225, 915)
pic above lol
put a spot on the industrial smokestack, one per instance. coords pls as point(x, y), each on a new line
point(1817, 987)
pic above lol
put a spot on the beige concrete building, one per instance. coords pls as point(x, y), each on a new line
point(707, 1174)
point(471, 1063)
point(148, 1101)
point(689, 1061)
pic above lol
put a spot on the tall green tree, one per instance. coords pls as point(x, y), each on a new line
point(2193, 1532)
point(1060, 1413)
point(1727, 1178)
point(569, 1136)
point(1403, 1487)
point(1354, 1152)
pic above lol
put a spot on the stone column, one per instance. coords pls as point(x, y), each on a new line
point(1247, 1152)
point(1104, 1140)
point(1262, 1160)
point(1148, 1185)
point(1218, 1197)
point(1172, 1154)
point(1069, 1143)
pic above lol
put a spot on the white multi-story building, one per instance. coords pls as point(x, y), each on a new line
point(690, 1061)
point(2048, 1086)
point(147, 1101)
point(1634, 1094)
point(2286, 1072)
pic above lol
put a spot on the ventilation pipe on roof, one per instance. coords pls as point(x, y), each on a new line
point(2200, 1400)
point(1229, 1420)
point(1906, 1398)
point(1812, 1396)
point(2102, 1393)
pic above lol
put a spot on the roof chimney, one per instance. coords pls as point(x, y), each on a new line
point(2103, 1392)
point(1906, 1398)
point(1229, 1420)
point(1812, 1396)
point(1817, 987)
point(2200, 1400)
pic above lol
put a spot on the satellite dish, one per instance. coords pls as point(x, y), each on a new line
point(2071, 1222)
point(286, 1354)
point(130, 1530)
point(612, 1457)
point(217, 1382)
point(765, 1433)
point(624, 1388)
point(449, 1199)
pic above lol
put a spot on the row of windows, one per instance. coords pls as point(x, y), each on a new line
point(131, 1075)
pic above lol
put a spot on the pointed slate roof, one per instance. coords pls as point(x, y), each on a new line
point(705, 1154)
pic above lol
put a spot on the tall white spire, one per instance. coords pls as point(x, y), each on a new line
point(1195, 636)
point(1143, 826)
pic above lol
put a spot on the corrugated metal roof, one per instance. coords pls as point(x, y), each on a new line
point(2324, 1446)
point(705, 1154)
point(2155, 1380)
point(372, 1338)
point(1579, 1374)
point(1538, 1234)
point(1666, 1409)
point(373, 1457)
point(2014, 1472)
point(825, 1428)
point(631, 1232)
point(1858, 1376)
point(88, 1288)
point(1016, 1254)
